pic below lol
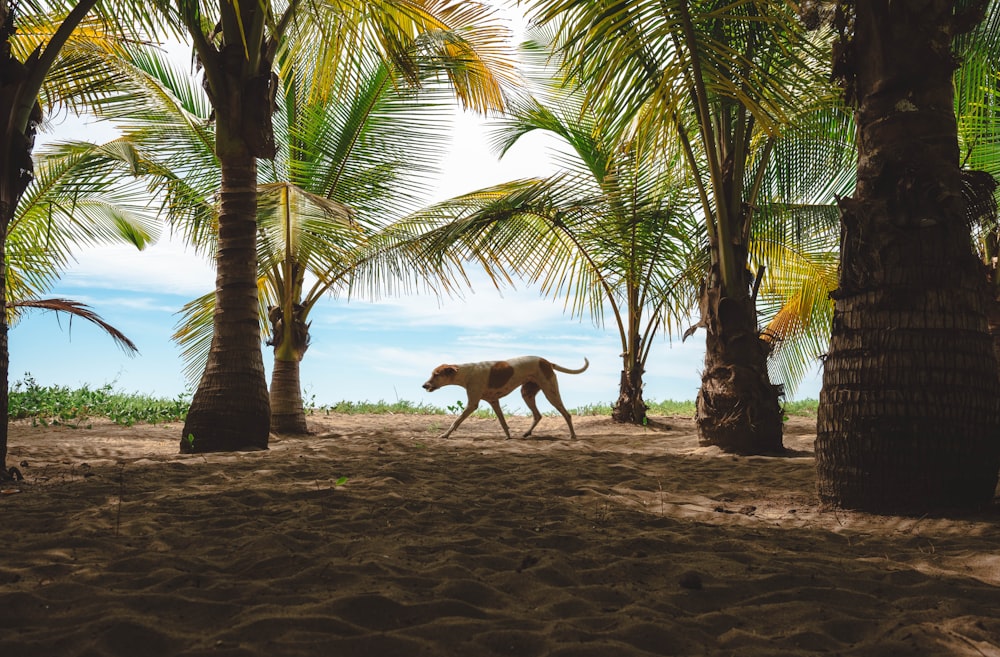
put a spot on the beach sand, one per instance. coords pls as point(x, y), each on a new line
point(628, 541)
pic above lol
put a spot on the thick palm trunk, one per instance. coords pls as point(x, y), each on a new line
point(6, 213)
point(910, 408)
point(993, 318)
point(230, 409)
point(8, 202)
point(630, 407)
point(287, 413)
point(20, 113)
point(737, 407)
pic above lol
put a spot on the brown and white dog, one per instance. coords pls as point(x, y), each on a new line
point(491, 380)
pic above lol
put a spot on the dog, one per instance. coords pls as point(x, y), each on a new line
point(491, 380)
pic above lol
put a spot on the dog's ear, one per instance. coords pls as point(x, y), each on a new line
point(446, 370)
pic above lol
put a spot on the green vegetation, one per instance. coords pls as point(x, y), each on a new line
point(666, 407)
point(804, 407)
point(381, 407)
point(62, 405)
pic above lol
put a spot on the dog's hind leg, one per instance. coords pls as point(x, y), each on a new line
point(556, 401)
point(528, 392)
point(503, 421)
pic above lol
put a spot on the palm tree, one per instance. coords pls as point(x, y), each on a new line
point(910, 407)
point(803, 271)
point(237, 45)
point(345, 164)
point(977, 98)
point(724, 81)
point(33, 68)
point(344, 167)
point(611, 231)
point(68, 204)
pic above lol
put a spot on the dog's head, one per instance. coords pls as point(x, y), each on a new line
point(441, 376)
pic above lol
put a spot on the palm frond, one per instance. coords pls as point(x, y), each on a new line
point(73, 309)
point(73, 201)
point(468, 41)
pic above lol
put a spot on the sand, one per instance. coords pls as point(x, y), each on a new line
point(629, 541)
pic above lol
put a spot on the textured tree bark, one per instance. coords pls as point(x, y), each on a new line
point(993, 314)
point(6, 213)
point(287, 411)
point(230, 409)
point(17, 94)
point(910, 407)
point(630, 407)
point(737, 406)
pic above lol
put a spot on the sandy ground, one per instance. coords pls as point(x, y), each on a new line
point(629, 541)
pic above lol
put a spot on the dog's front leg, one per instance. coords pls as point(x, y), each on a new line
point(503, 421)
point(469, 409)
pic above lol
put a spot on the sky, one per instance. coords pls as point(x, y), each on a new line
point(361, 350)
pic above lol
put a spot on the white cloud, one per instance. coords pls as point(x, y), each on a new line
point(471, 164)
point(164, 267)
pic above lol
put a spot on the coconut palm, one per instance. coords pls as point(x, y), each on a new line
point(238, 46)
point(612, 231)
point(795, 294)
point(910, 407)
point(725, 81)
point(68, 205)
point(37, 75)
point(345, 163)
point(344, 167)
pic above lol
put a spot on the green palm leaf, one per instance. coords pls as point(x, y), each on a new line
point(70, 203)
point(74, 309)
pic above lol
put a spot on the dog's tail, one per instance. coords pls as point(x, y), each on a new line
point(560, 368)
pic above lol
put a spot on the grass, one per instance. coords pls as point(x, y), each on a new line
point(63, 405)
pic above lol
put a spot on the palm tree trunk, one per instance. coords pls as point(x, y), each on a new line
point(287, 411)
point(7, 205)
point(18, 93)
point(993, 315)
point(910, 407)
point(630, 407)
point(737, 406)
point(290, 337)
point(230, 409)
